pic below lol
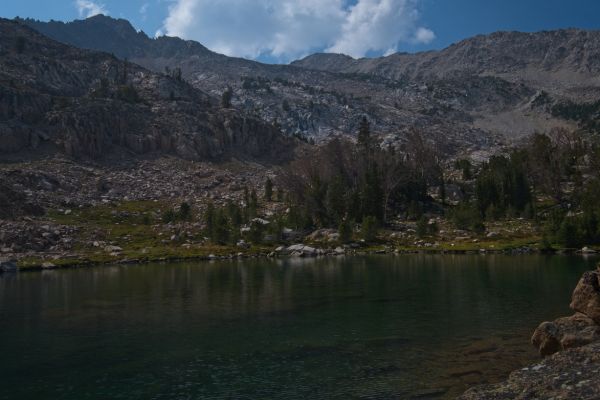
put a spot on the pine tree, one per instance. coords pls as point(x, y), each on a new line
point(335, 202)
point(226, 98)
point(235, 214)
point(253, 205)
point(209, 219)
point(364, 135)
point(345, 231)
point(369, 229)
point(256, 232)
point(220, 231)
point(372, 194)
point(268, 189)
point(422, 227)
point(246, 211)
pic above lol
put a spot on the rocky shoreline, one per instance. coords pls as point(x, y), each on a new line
point(11, 264)
point(571, 347)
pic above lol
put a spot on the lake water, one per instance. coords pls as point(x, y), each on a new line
point(381, 327)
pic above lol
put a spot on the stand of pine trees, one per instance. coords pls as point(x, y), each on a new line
point(554, 181)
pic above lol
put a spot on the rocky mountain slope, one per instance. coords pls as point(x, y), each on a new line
point(474, 95)
point(87, 104)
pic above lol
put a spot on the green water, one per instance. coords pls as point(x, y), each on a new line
point(348, 328)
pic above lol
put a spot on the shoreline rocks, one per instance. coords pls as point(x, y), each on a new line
point(571, 347)
point(579, 329)
point(571, 374)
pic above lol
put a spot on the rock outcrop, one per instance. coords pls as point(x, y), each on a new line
point(571, 346)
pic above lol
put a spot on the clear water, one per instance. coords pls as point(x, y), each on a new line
point(381, 327)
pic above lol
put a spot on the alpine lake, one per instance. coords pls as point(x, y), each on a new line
point(372, 327)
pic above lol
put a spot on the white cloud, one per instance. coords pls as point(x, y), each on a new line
point(424, 35)
point(87, 8)
point(287, 29)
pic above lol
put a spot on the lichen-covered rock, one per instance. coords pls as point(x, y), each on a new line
point(586, 297)
point(564, 333)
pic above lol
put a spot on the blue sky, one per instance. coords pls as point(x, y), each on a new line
point(283, 30)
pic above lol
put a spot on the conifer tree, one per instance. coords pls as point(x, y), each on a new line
point(226, 98)
point(268, 189)
point(253, 205)
point(364, 135)
point(209, 219)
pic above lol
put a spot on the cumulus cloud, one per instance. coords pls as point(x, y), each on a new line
point(87, 8)
point(287, 29)
point(424, 35)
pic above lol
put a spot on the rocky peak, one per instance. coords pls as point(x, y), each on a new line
point(325, 62)
point(116, 36)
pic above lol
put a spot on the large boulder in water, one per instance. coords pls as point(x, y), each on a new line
point(586, 297)
point(579, 329)
point(564, 333)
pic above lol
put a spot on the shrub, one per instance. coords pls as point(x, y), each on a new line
point(185, 212)
point(369, 229)
point(466, 217)
point(168, 216)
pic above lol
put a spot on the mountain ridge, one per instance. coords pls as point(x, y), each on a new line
point(471, 96)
